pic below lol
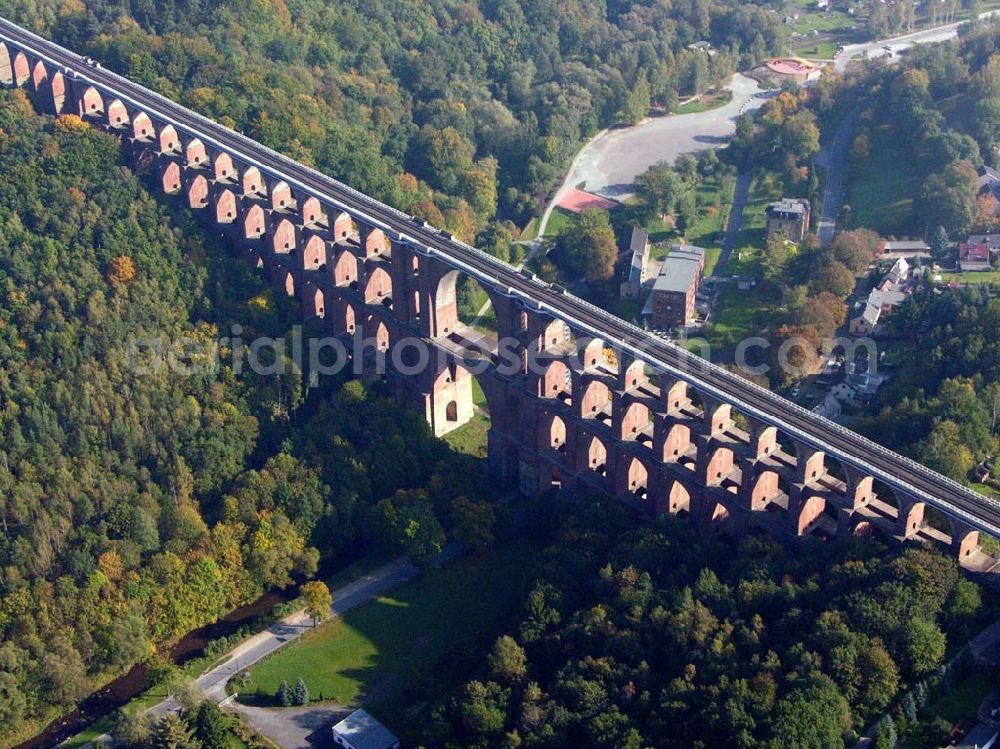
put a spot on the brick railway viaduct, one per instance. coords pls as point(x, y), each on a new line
point(652, 425)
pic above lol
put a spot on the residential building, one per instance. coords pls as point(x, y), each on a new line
point(973, 257)
point(886, 298)
point(632, 264)
point(908, 248)
point(989, 181)
point(990, 240)
point(844, 393)
point(865, 385)
point(360, 730)
point(899, 272)
point(788, 216)
point(880, 302)
point(702, 46)
point(671, 303)
point(829, 407)
point(867, 321)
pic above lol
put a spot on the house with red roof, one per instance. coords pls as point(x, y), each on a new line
point(972, 257)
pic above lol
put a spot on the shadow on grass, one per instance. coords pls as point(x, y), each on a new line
point(410, 644)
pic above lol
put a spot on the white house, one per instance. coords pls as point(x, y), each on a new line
point(360, 730)
point(899, 272)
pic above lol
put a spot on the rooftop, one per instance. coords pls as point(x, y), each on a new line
point(871, 314)
point(974, 251)
point(904, 245)
point(788, 205)
point(362, 731)
point(640, 241)
point(679, 268)
point(993, 240)
point(882, 298)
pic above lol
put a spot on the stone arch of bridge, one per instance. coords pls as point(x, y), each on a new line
point(117, 115)
point(91, 103)
point(142, 127)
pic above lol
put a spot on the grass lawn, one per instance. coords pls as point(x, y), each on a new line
point(705, 103)
point(559, 220)
point(961, 702)
point(881, 190)
point(659, 231)
point(696, 345)
point(470, 438)
point(743, 261)
point(471, 301)
point(764, 189)
point(973, 277)
point(739, 314)
point(817, 51)
point(714, 199)
point(712, 255)
point(478, 396)
point(829, 21)
point(375, 651)
point(530, 229)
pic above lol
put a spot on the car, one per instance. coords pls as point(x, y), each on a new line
point(446, 234)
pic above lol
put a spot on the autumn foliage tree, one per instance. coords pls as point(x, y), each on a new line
point(121, 270)
point(318, 600)
point(588, 246)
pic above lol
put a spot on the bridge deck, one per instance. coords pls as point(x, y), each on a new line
point(899, 473)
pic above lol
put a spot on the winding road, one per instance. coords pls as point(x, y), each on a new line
point(213, 682)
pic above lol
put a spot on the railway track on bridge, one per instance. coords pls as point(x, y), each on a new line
point(851, 449)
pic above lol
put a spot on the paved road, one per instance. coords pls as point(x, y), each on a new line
point(587, 320)
point(295, 727)
point(610, 162)
point(897, 44)
point(213, 682)
point(834, 158)
point(740, 195)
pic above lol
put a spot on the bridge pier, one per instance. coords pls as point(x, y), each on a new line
point(563, 413)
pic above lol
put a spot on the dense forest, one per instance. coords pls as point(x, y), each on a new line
point(484, 102)
point(638, 637)
point(943, 404)
point(135, 506)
